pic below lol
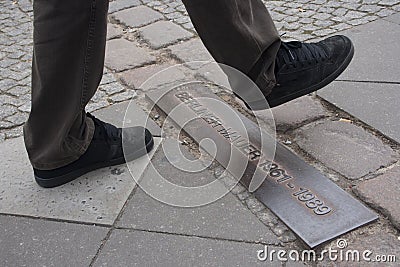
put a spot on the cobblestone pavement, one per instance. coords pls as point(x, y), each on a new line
point(300, 19)
point(161, 35)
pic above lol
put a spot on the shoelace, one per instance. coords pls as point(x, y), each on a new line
point(296, 53)
point(106, 130)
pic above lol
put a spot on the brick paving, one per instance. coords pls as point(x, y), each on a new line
point(162, 35)
point(300, 19)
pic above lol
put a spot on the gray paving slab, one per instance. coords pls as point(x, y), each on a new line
point(382, 193)
point(134, 248)
point(116, 113)
point(376, 52)
point(137, 16)
point(136, 77)
point(344, 147)
point(291, 115)
point(122, 54)
point(376, 104)
point(32, 242)
point(226, 218)
point(156, 76)
point(96, 197)
point(163, 33)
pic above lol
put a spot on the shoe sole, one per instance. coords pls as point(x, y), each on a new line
point(66, 178)
point(260, 105)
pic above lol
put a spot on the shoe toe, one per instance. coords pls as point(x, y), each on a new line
point(148, 136)
point(339, 46)
point(137, 141)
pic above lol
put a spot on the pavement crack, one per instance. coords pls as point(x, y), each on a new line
point(199, 236)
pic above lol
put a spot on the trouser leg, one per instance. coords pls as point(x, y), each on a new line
point(238, 33)
point(68, 57)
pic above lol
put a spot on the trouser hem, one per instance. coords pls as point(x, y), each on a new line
point(80, 150)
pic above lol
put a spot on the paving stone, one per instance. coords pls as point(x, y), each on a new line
point(96, 197)
point(116, 113)
point(32, 242)
point(192, 50)
point(136, 77)
point(356, 22)
point(155, 249)
point(5, 125)
point(386, 12)
point(374, 59)
point(18, 118)
point(137, 16)
point(291, 115)
point(14, 132)
point(388, 2)
point(25, 107)
point(189, 26)
point(163, 33)
point(370, 8)
point(107, 78)
point(7, 83)
point(383, 193)
point(9, 100)
point(92, 106)
point(99, 96)
point(122, 55)
point(341, 26)
point(122, 4)
point(344, 147)
point(113, 31)
point(6, 110)
point(19, 90)
point(326, 32)
point(25, 5)
point(374, 103)
point(154, 76)
point(226, 218)
point(396, 8)
point(112, 88)
point(124, 96)
point(354, 15)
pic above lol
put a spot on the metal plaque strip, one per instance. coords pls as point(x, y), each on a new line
point(310, 204)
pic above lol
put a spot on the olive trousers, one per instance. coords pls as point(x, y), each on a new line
point(68, 58)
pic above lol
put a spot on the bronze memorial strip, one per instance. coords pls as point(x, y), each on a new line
point(310, 204)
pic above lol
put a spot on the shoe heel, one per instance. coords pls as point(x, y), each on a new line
point(249, 93)
point(254, 105)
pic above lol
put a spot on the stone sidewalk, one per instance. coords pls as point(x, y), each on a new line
point(349, 131)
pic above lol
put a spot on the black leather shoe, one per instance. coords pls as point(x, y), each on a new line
point(302, 68)
point(104, 150)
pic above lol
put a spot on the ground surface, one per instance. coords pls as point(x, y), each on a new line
point(349, 131)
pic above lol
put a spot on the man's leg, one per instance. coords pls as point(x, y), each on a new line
point(238, 33)
point(241, 34)
point(69, 45)
point(63, 142)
